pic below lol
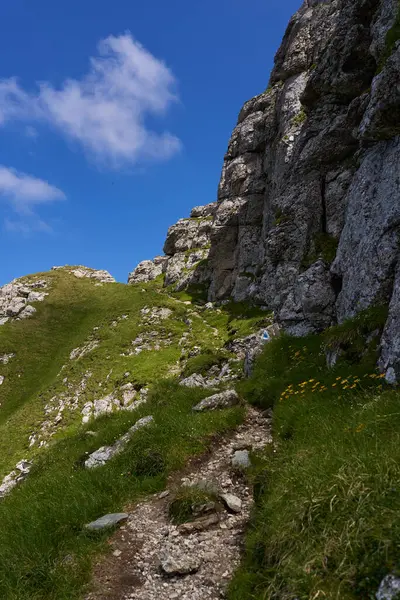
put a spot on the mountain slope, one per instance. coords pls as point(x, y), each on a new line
point(93, 360)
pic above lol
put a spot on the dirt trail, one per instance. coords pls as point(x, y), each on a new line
point(132, 570)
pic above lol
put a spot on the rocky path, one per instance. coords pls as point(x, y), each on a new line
point(152, 559)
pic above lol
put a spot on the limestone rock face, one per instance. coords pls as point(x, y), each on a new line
point(311, 172)
point(148, 270)
point(186, 251)
point(307, 218)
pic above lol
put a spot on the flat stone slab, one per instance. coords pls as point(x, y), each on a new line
point(200, 524)
point(233, 503)
point(221, 400)
point(241, 459)
point(107, 521)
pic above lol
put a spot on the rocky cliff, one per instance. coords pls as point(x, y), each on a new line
point(186, 252)
point(308, 212)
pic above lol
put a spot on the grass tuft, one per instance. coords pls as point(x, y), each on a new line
point(323, 246)
point(202, 363)
point(189, 501)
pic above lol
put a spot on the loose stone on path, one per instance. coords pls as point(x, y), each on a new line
point(107, 521)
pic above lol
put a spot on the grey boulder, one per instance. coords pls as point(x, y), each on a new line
point(232, 502)
point(222, 400)
point(107, 521)
point(389, 588)
point(241, 460)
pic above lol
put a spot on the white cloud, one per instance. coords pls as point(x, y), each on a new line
point(31, 132)
point(106, 110)
point(25, 192)
point(27, 226)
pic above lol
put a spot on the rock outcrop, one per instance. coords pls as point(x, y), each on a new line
point(186, 252)
point(309, 200)
point(16, 476)
point(105, 453)
point(80, 271)
point(307, 219)
point(16, 298)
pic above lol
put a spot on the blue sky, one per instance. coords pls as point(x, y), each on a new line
point(114, 120)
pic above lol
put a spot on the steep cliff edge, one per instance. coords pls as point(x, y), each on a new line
point(308, 212)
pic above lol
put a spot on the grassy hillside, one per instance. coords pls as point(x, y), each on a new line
point(44, 551)
point(326, 517)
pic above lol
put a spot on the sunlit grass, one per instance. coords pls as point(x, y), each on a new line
point(326, 523)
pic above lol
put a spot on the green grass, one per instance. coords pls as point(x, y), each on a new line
point(327, 495)
point(195, 292)
point(323, 246)
point(245, 318)
point(299, 118)
point(43, 519)
point(45, 552)
point(280, 217)
point(392, 36)
point(326, 522)
point(203, 362)
point(63, 322)
point(188, 501)
point(352, 337)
